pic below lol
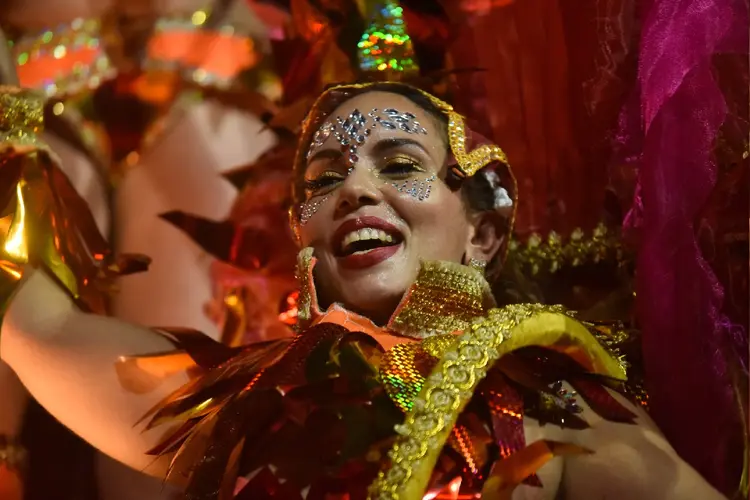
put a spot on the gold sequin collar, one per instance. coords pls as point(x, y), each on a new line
point(444, 298)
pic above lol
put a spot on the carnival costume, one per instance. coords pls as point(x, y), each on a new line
point(447, 401)
point(458, 363)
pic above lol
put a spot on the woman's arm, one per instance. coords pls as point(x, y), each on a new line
point(630, 462)
point(68, 361)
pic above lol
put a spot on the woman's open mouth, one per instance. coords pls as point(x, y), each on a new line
point(365, 242)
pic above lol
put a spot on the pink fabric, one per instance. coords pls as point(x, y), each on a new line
point(687, 342)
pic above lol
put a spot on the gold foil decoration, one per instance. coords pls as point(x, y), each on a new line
point(46, 224)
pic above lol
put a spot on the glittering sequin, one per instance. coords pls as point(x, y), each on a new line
point(399, 374)
point(393, 119)
point(444, 298)
point(566, 399)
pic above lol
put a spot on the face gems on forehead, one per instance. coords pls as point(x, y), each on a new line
point(353, 134)
point(352, 131)
point(308, 209)
point(321, 135)
point(417, 189)
point(393, 119)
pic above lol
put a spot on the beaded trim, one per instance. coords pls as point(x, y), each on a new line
point(552, 254)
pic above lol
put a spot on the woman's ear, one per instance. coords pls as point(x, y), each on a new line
point(485, 237)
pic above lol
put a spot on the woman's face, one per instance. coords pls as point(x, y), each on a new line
point(372, 213)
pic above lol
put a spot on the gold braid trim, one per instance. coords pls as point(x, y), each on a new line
point(553, 253)
point(451, 385)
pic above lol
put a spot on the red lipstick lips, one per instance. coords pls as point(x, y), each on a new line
point(362, 260)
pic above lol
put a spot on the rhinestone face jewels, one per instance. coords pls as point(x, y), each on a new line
point(309, 208)
point(393, 119)
point(321, 135)
point(419, 190)
point(352, 131)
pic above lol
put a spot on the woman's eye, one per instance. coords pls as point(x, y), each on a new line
point(401, 168)
point(322, 183)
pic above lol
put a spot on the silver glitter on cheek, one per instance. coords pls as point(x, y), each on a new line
point(419, 190)
point(309, 208)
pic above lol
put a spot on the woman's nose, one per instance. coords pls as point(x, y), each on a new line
point(360, 188)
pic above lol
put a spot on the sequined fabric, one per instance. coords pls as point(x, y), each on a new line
point(444, 298)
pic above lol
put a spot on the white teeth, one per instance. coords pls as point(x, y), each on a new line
point(365, 234)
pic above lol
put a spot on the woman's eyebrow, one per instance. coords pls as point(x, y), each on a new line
point(385, 144)
point(331, 154)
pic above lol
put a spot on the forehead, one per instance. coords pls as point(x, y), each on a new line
point(373, 117)
point(380, 100)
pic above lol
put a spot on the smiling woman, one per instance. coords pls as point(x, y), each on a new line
point(405, 381)
point(378, 194)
